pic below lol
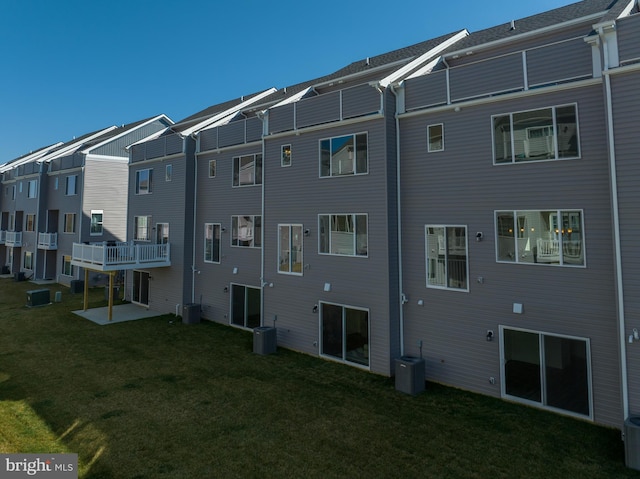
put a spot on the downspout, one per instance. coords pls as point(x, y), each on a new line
point(616, 231)
point(81, 209)
point(262, 210)
point(37, 227)
point(399, 220)
point(195, 203)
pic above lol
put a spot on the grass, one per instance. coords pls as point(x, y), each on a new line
point(158, 399)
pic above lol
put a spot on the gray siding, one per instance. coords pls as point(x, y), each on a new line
point(626, 105)
point(559, 62)
point(282, 118)
point(167, 145)
point(498, 75)
point(118, 146)
point(426, 90)
point(460, 186)
point(629, 38)
point(318, 109)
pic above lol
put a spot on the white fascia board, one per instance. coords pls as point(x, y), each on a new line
point(125, 132)
point(627, 10)
point(292, 98)
point(222, 121)
point(74, 145)
point(398, 74)
point(30, 158)
point(540, 31)
point(153, 136)
point(425, 69)
point(204, 124)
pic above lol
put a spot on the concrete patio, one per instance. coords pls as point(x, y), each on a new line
point(121, 313)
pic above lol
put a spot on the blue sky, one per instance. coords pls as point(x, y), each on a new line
point(70, 67)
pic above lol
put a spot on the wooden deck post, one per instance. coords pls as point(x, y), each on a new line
point(111, 275)
point(86, 289)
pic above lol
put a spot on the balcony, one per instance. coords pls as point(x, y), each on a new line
point(48, 241)
point(13, 239)
point(118, 256)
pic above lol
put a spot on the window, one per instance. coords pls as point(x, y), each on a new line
point(212, 243)
point(67, 267)
point(28, 260)
point(71, 185)
point(447, 252)
point(343, 234)
point(344, 155)
point(547, 370)
point(345, 333)
point(168, 172)
point(20, 187)
point(247, 170)
point(30, 222)
point(141, 226)
point(435, 136)
point(144, 181)
point(162, 233)
point(290, 249)
point(542, 237)
point(13, 192)
point(32, 189)
point(96, 222)
point(285, 158)
point(55, 183)
point(212, 168)
point(246, 231)
point(545, 134)
point(69, 222)
point(245, 306)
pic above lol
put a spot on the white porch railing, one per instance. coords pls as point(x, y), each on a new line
point(48, 241)
point(111, 257)
point(14, 239)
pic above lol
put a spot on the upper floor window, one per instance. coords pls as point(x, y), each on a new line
point(162, 233)
point(141, 228)
point(211, 243)
point(13, 192)
point(212, 168)
point(344, 155)
point(543, 237)
point(30, 222)
point(32, 188)
point(290, 249)
point(168, 172)
point(55, 183)
point(71, 185)
point(69, 223)
point(343, 234)
point(447, 257)
point(285, 157)
point(144, 181)
point(435, 138)
point(247, 170)
point(246, 231)
point(535, 135)
point(96, 222)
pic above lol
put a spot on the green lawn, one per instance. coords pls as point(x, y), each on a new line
point(158, 399)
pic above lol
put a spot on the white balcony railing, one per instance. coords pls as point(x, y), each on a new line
point(112, 257)
point(13, 239)
point(48, 241)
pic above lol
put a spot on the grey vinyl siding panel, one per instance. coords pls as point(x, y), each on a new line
point(360, 100)
point(426, 90)
point(208, 139)
point(460, 186)
point(105, 188)
point(626, 104)
point(117, 147)
point(165, 204)
point(253, 128)
point(231, 134)
point(282, 118)
point(217, 202)
point(66, 162)
point(495, 75)
point(297, 195)
point(318, 109)
point(167, 145)
point(559, 62)
point(628, 30)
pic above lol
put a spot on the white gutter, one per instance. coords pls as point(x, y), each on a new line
point(616, 232)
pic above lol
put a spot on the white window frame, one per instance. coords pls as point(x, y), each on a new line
point(71, 185)
point(432, 148)
point(141, 176)
point(285, 156)
point(28, 264)
point(553, 127)
point(212, 227)
point(212, 168)
point(255, 236)
point(67, 267)
point(33, 222)
point(344, 356)
point(56, 181)
point(66, 223)
point(162, 233)
point(137, 228)
point(443, 248)
point(332, 240)
point(32, 189)
point(570, 253)
point(168, 172)
point(256, 170)
point(352, 156)
point(100, 223)
point(285, 251)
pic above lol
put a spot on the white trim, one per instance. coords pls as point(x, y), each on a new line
point(426, 256)
point(292, 98)
point(343, 338)
point(204, 252)
point(290, 226)
point(128, 130)
point(74, 145)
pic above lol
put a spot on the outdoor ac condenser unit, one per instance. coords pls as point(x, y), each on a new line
point(38, 297)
